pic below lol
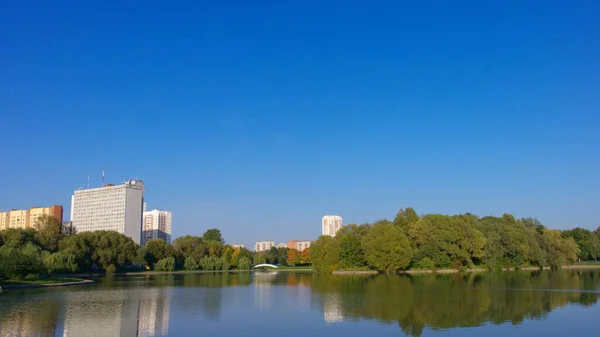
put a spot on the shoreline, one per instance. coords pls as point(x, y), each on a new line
point(47, 285)
point(453, 271)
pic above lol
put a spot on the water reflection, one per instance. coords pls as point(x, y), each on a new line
point(459, 300)
point(149, 306)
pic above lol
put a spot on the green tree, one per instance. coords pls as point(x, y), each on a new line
point(244, 263)
point(589, 245)
point(387, 248)
point(156, 250)
point(186, 245)
point(213, 234)
point(351, 252)
point(166, 264)
point(190, 263)
point(49, 232)
point(406, 217)
point(60, 262)
point(21, 262)
point(325, 254)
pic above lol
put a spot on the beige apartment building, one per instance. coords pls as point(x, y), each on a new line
point(4, 220)
point(25, 218)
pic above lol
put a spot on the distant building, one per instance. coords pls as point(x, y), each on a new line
point(237, 246)
point(111, 207)
point(156, 225)
point(331, 224)
point(25, 218)
point(36, 212)
point(281, 245)
point(4, 220)
point(262, 246)
point(298, 244)
point(67, 228)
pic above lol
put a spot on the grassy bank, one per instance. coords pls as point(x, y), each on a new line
point(41, 281)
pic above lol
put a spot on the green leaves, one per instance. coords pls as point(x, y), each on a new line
point(387, 248)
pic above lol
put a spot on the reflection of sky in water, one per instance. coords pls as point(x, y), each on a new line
point(304, 304)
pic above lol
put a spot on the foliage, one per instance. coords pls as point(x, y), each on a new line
point(244, 263)
point(210, 263)
point(49, 232)
point(213, 234)
point(293, 257)
point(387, 248)
point(155, 250)
point(190, 263)
point(588, 242)
point(325, 254)
point(351, 252)
point(166, 264)
point(60, 262)
point(21, 262)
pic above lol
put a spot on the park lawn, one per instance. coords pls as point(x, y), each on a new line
point(41, 281)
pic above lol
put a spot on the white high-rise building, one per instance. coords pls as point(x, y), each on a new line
point(156, 225)
point(331, 224)
point(112, 208)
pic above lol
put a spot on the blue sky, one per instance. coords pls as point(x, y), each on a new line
point(258, 119)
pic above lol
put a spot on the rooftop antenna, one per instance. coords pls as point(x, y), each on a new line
point(102, 175)
point(88, 180)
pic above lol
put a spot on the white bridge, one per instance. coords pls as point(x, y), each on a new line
point(263, 265)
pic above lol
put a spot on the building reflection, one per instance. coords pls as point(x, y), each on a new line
point(154, 312)
point(332, 308)
point(122, 312)
point(263, 283)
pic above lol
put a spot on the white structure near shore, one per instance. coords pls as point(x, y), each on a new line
point(111, 207)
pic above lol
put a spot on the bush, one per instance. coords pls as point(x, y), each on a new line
point(225, 265)
point(110, 270)
point(425, 264)
point(190, 263)
point(210, 263)
point(21, 262)
point(244, 263)
point(166, 264)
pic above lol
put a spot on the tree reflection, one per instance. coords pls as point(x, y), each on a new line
point(456, 300)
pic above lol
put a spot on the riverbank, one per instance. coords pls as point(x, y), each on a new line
point(452, 271)
point(54, 282)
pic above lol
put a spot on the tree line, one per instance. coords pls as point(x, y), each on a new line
point(436, 241)
point(47, 249)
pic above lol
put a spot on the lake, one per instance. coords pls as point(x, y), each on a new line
point(304, 304)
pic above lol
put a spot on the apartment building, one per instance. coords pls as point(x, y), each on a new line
point(36, 212)
point(237, 246)
point(299, 245)
point(25, 218)
point(331, 224)
point(4, 220)
point(111, 207)
point(262, 246)
point(156, 225)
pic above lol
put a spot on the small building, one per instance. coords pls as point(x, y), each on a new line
point(262, 246)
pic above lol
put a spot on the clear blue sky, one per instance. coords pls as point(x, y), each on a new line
point(258, 119)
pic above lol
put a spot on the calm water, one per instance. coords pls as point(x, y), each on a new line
point(295, 304)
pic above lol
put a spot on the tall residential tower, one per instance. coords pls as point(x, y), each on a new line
point(156, 225)
point(331, 224)
point(111, 207)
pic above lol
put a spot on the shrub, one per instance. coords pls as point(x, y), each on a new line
point(190, 263)
point(166, 264)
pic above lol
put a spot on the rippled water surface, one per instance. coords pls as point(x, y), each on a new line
point(302, 304)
